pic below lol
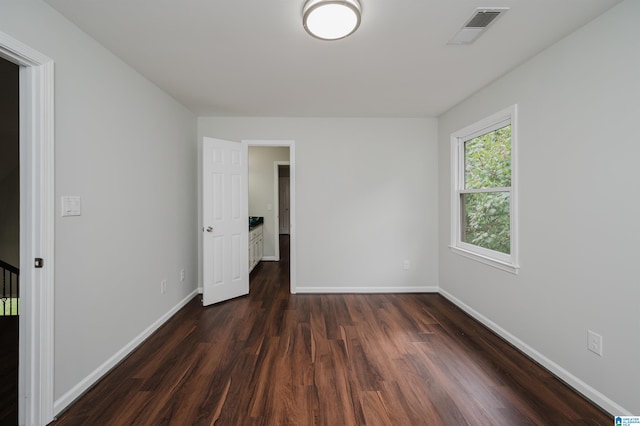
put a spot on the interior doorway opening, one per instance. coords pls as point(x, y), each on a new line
point(284, 200)
point(9, 239)
point(265, 197)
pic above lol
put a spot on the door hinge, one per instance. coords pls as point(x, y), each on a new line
point(38, 262)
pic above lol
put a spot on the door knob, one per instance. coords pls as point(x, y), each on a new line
point(209, 228)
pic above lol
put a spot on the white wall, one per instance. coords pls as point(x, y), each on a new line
point(579, 230)
point(129, 151)
point(366, 198)
point(261, 190)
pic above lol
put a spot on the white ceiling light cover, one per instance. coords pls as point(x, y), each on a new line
point(331, 19)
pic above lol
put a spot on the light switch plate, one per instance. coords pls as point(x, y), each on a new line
point(594, 342)
point(71, 205)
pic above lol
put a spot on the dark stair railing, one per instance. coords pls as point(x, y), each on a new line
point(9, 289)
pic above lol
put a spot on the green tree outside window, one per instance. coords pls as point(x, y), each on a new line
point(487, 177)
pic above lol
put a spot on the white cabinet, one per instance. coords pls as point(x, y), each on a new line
point(255, 246)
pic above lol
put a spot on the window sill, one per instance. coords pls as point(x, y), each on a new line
point(504, 266)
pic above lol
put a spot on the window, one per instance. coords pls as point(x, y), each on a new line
point(483, 195)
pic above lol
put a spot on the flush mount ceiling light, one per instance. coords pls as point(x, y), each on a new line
point(331, 19)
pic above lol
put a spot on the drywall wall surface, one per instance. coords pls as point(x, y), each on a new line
point(578, 108)
point(366, 198)
point(128, 150)
point(261, 190)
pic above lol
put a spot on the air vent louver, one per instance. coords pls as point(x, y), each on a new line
point(481, 19)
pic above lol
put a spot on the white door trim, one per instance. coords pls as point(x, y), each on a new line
point(276, 204)
point(35, 383)
point(292, 197)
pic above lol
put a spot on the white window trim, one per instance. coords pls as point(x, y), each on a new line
point(505, 262)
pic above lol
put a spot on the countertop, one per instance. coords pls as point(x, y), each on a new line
point(255, 221)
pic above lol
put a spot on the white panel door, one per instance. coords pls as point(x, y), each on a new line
point(225, 240)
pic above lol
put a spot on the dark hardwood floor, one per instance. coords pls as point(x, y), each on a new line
point(273, 358)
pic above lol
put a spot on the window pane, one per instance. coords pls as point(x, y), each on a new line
point(485, 219)
point(487, 160)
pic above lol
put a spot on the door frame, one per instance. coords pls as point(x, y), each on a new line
point(276, 202)
point(35, 372)
point(292, 198)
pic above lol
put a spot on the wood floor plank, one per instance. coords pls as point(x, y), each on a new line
point(273, 358)
point(374, 409)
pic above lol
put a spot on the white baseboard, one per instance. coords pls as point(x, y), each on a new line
point(85, 384)
point(269, 259)
point(587, 391)
point(365, 290)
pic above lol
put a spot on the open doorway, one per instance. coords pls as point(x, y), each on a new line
point(9, 240)
point(282, 195)
point(266, 200)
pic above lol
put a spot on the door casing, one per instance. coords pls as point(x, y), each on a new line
point(37, 214)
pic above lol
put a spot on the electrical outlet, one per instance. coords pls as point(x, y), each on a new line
point(594, 342)
point(181, 275)
point(163, 286)
point(406, 264)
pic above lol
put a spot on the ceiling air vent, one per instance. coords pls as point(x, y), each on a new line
point(481, 19)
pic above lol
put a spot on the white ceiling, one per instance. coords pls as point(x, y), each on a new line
point(253, 57)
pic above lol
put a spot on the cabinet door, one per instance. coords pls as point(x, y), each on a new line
point(251, 255)
point(256, 252)
point(260, 246)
